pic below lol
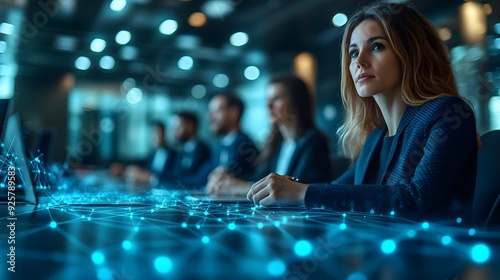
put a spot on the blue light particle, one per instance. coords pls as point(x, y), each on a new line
point(205, 239)
point(163, 264)
point(191, 213)
point(276, 268)
point(276, 224)
point(303, 248)
point(392, 213)
point(343, 226)
point(104, 274)
point(219, 220)
point(425, 225)
point(472, 232)
point(459, 220)
point(206, 213)
point(231, 226)
point(127, 245)
point(480, 253)
point(198, 226)
point(411, 233)
point(260, 225)
point(136, 228)
point(446, 240)
point(357, 276)
point(53, 224)
point(344, 215)
point(388, 246)
point(98, 257)
point(184, 225)
point(142, 218)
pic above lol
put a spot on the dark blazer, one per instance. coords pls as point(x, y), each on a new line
point(309, 163)
point(188, 162)
point(168, 165)
point(430, 171)
point(241, 155)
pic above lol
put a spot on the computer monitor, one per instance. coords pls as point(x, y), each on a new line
point(13, 151)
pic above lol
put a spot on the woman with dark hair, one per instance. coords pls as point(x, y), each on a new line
point(294, 148)
point(412, 139)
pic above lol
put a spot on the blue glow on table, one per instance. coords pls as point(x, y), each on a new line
point(388, 246)
point(231, 226)
point(127, 245)
point(205, 239)
point(53, 224)
point(446, 240)
point(104, 274)
point(98, 257)
point(276, 268)
point(302, 248)
point(260, 225)
point(356, 276)
point(343, 226)
point(425, 225)
point(163, 264)
point(480, 253)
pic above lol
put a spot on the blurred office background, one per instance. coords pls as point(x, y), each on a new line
point(96, 73)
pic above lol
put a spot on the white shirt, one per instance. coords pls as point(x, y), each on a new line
point(159, 158)
point(285, 156)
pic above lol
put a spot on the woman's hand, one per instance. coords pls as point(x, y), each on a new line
point(276, 189)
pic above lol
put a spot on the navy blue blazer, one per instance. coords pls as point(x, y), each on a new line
point(310, 161)
point(167, 165)
point(241, 156)
point(187, 163)
point(430, 171)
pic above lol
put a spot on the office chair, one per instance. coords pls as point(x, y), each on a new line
point(486, 208)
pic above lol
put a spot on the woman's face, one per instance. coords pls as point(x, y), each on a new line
point(374, 67)
point(279, 105)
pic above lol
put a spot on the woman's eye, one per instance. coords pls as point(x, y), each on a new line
point(377, 47)
point(353, 54)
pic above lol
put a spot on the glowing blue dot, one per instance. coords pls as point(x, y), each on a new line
point(472, 232)
point(98, 257)
point(89, 218)
point(191, 213)
point(184, 225)
point(142, 218)
point(372, 211)
point(307, 216)
point(284, 220)
point(206, 213)
point(136, 228)
point(357, 276)
point(276, 224)
point(446, 240)
point(163, 264)
point(127, 245)
point(276, 268)
point(392, 213)
point(459, 220)
point(260, 225)
point(303, 248)
point(344, 215)
point(425, 225)
point(343, 226)
point(388, 246)
point(411, 233)
point(205, 239)
point(53, 224)
point(231, 226)
point(219, 220)
point(104, 274)
point(480, 253)
point(198, 226)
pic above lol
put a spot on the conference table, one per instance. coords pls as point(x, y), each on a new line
point(202, 239)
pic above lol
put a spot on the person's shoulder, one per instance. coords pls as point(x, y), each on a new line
point(441, 104)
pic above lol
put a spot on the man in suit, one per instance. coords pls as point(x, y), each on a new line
point(193, 153)
point(235, 152)
point(162, 159)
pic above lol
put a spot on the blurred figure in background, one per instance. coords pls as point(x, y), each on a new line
point(295, 147)
point(236, 152)
point(161, 160)
point(193, 153)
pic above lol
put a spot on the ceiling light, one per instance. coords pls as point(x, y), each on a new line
point(221, 80)
point(97, 45)
point(197, 19)
point(198, 91)
point(238, 39)
point(168, 27)
point(444, 33)
point(123, 37)
point(65, 43)
point(134, 95)
point(251, 73)
point(339, 19)
point(496, 43)
point(117, 5)
point(107, 62)
point(218, 8)
point(185, 63)
point(6, 28)
point(82, 63)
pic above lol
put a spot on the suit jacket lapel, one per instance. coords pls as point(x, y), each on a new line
point(372, 141)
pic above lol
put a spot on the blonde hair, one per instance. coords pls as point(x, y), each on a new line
point(426, 69)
